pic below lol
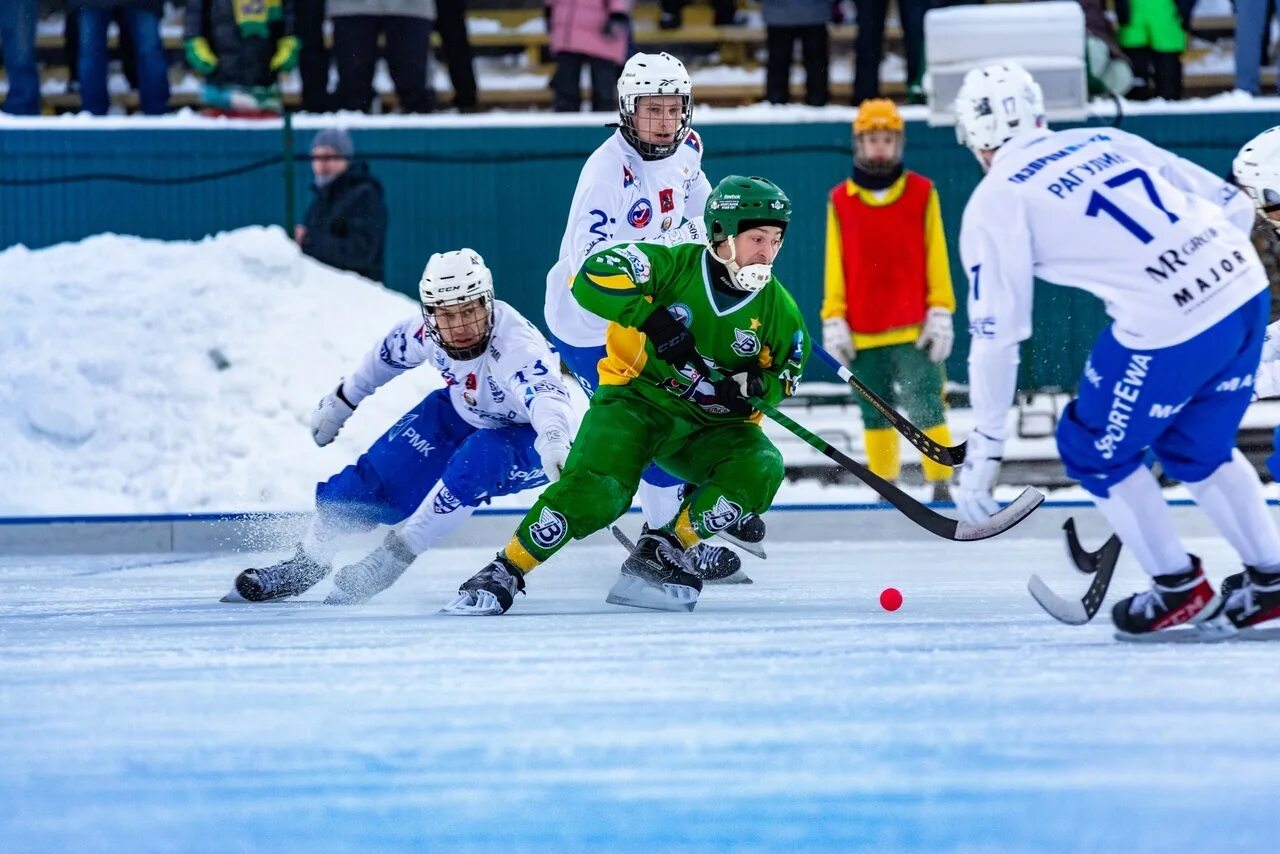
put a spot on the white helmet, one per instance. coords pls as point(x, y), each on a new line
point(995, 104)
point(452, 278)
point(1257, 170)
point(653, 74)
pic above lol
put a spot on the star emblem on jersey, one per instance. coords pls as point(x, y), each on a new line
point(745, 342)
point(755, 323)
point(549, 530)
point(721, 516)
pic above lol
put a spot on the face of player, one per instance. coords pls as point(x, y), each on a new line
point(880, 147)
point(463, 325)
point(757, 245)
point(985, 157)
point(326, 162)
point(658, 118)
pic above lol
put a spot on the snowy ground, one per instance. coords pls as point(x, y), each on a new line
point(137, 713)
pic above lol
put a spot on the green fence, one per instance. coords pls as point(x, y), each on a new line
point(505, 191)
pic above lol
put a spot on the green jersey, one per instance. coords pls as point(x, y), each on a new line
point(627, 283)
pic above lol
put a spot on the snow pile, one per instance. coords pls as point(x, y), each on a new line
point(145, 377)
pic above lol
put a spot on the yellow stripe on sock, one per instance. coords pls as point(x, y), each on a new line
point(520, 556)
point(684, 530)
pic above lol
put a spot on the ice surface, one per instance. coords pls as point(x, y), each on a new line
point(137, 713)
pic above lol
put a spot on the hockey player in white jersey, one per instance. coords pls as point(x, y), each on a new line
point(1164, 243)
point(1256, 170)
point(644, 183)
point(503, 423)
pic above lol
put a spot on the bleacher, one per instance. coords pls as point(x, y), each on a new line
point(514, 63)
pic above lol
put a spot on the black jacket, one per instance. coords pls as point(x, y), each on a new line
point(242, 61)
point(347, 223)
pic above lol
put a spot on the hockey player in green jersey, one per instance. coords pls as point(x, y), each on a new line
point(672, 310)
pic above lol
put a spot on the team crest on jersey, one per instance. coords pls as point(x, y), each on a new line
point(444, 502)
point(666, 223)
point(797, 348)
point(667, 199)
point(469, 398)
point(550, 529)
point(721, 516)
point(439, 358)
point(495, 391)
point(637, 260)
point(628, 177)
point(745, 342)
point(682, 313)
point(641, 213)
point(398, 427)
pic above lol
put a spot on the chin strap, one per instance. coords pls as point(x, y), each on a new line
point(750, 278)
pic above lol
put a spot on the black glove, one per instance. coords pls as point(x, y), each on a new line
point(616, 25)
point(672, 342)
point(732, 392)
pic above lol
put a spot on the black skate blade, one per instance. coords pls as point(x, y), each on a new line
point(736, 577)
point(756, 549)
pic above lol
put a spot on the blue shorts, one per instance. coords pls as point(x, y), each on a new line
point(1184, 402)
point(585, 364)
point(430, 442)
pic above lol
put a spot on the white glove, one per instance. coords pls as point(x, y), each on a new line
point(977, 478)
point(838, 340)
point(937, 334)
point(1271, 343)
point(329, 416)
point(553, 449)
point(1267, 383)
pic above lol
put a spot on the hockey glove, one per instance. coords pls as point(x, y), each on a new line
point(982, 459)
point(329, 416)
point(672, 342)
point(553, 449)
point(286, 55)
point(200, 55)
point(838, 340)
point(732, 391)
point(937, 334)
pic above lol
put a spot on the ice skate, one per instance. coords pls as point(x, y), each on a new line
point(747, 534)
point(375, 572)
point(716, 565)
point(288, 578)
point(657, 575)
point(1249, 599)
point(489, 592)
point(1173, 600)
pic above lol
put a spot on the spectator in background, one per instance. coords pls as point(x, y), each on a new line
point(459, 58)
point(313, 56)
point(1107, 70)
point(887, 299)
point(1153, 35)
point(18, 41)
point(71, 48)
point(868, 47)
point(142, 20)
point(724, 13)
point(240, 47)
point(405, 27)
point(789, 21)
point(346, 225)
point(591, 32)
point(1252, 32)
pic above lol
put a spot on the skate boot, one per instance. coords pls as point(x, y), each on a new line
point(288, 578)
point(1173, 600)
point(716, 565)
point(1249, 598)
point(375, 572)
point(747, 534)
point(657, 575)
point(489, 592)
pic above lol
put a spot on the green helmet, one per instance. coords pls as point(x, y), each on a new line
point(739, 203)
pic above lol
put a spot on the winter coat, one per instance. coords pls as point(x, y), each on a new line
point(796, 13)
point(402, 8)
point(242, 61)
point(347, 223)
point(577, 26)
point(156, 6)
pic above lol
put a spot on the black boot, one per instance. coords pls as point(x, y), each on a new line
point(657, 575)
point(489, 592)
point(1250, 598)
point(1173, 600)
point(288, 578)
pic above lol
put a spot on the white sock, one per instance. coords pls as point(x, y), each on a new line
point(438, 516)
point(1233, 500)
point(1138, 513)
point(660, 504)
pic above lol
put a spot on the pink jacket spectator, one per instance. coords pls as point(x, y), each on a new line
point(578, 26)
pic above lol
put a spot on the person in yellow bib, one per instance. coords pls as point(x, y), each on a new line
point(887, 299)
